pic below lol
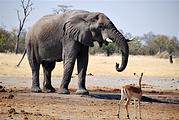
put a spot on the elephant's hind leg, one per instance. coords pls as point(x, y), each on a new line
point(47, 69)
point(35, 74)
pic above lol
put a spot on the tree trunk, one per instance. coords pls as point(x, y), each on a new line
point(171, 59)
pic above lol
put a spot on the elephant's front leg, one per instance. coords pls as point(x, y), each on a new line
point(68, 69)
point(82, 63)
point(70, 55)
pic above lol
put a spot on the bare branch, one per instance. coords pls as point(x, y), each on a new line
point(27, 8)
point(22, 2)
point(29, 12)
point(20, 22)
point(27, 4)
point(61, 8)
point(18, 16)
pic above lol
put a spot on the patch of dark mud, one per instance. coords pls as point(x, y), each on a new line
point(2, 89)
point(10, 96)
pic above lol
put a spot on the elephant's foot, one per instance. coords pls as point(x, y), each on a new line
point(49, 89)
point(63, 91)
point(82, 92)
point(35, 89)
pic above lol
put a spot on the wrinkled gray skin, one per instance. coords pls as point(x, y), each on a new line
point(67, 37)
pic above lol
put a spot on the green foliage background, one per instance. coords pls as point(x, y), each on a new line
point(8, 40)
point(148, 44)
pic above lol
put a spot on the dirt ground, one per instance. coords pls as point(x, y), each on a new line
point(18, 103)
point(160, 86)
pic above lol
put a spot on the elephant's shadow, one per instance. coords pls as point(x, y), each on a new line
point(118, 97)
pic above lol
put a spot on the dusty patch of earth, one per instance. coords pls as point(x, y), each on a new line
point(18, 103)
point(160, 100)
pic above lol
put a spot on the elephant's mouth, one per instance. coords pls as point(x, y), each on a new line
point(108, 40)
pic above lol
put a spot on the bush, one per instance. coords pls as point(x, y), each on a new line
point(8, 41)
point(164, 54)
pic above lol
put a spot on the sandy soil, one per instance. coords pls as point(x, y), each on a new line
point(18, 103)
point(160, 84)
point(99, 65)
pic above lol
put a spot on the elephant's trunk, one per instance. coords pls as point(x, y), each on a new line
point(125, 54)
point(124, 48)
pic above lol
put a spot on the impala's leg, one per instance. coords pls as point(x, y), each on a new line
point(135, 109)
point(139, 110)
point(127, 103)
point(120, 103)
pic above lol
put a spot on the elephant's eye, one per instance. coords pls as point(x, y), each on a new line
point(93, 20)
point(101, 27)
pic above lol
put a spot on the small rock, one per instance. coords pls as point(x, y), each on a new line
point(2, 90)
point(11, 111)
point(90, 74)
point(10, 96)
point(8, 105)
point(25, 117)
point(11, 90)
point(38, 114)
point(30, 113)
point(23, 112)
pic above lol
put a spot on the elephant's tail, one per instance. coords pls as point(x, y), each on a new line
point(21, 58)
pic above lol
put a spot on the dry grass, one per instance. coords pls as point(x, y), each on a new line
point(98, 65)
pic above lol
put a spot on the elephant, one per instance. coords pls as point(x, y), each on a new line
point(67, 37)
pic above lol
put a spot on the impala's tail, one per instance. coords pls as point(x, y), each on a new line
point(21, 59)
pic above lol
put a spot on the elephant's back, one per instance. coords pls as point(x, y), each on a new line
point(45, 29)
point(44, 37)
point(46, 23)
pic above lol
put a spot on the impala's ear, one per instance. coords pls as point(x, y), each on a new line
point(79, 30)
point(135, 75)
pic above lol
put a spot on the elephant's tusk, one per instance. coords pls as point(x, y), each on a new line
point(132, 39)
point(108, 40)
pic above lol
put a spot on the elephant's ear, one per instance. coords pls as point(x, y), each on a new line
point(78, 29)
